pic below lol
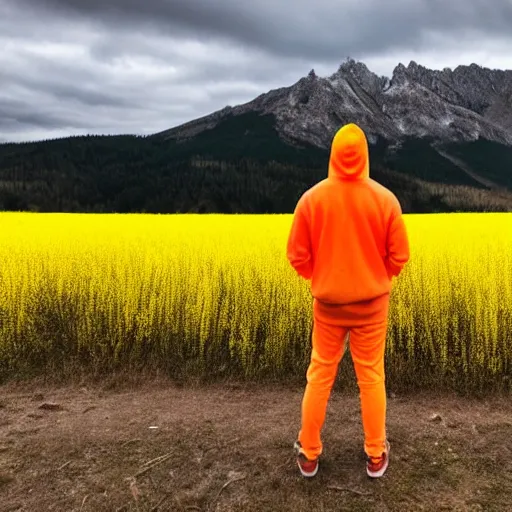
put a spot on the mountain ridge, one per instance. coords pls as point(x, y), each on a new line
point(460, 105)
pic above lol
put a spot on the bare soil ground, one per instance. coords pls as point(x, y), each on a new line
point(158, 447)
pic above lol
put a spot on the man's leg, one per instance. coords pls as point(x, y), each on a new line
point(367, 346)
point(327, 352)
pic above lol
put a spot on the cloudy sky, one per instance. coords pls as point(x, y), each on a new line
point(141, 66)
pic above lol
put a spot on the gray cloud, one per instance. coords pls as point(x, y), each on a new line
point(141, 66)
point(308, 29)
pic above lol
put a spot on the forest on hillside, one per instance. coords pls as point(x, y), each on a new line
point(239, 167)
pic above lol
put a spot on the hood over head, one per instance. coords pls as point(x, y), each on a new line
point(349, 157)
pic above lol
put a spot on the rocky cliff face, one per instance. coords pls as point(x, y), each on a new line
point(464, 104)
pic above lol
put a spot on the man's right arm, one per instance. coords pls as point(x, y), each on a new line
point(299, 250)
point(397, 241)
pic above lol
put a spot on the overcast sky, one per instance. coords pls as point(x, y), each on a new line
point(70, 67)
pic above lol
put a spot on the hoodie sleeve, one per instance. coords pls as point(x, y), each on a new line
point(397, 241)
point(299, 250)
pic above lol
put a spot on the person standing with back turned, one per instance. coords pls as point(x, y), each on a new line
point(349, 239)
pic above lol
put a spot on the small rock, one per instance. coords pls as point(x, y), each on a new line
point(436, 418)
point(236, 475)
point(50, 406)
point(38, 397)
point(135, 490)
point(34, 416)
point(6, 478)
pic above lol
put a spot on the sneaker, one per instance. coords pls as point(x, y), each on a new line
point(376, 467)
point(308, 468)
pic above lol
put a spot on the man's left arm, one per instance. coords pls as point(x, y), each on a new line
point(299, 249)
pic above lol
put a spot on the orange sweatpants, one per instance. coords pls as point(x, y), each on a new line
point(367, 324)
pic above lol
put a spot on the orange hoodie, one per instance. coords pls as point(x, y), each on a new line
point(348, 235)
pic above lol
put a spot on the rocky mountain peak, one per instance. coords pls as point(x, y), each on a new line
point(353, 67)
point(413, 67)
point(465, 104)
point(400, 75)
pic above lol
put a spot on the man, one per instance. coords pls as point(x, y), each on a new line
point(349, 239)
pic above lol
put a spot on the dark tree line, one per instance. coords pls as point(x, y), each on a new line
point(241, 166)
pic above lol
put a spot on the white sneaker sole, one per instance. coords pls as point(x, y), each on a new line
point(380, 473)
point(308, 475)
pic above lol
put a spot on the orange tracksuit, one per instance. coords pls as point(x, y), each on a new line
point(349, 239)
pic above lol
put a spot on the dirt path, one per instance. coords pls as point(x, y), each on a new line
point(229, 449)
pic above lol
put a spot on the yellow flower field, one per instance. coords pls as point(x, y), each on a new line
point(213, 295)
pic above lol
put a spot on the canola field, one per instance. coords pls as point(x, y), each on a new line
point(213, 296)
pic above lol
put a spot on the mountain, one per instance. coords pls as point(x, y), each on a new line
point(467, 104)
point(440, 140)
